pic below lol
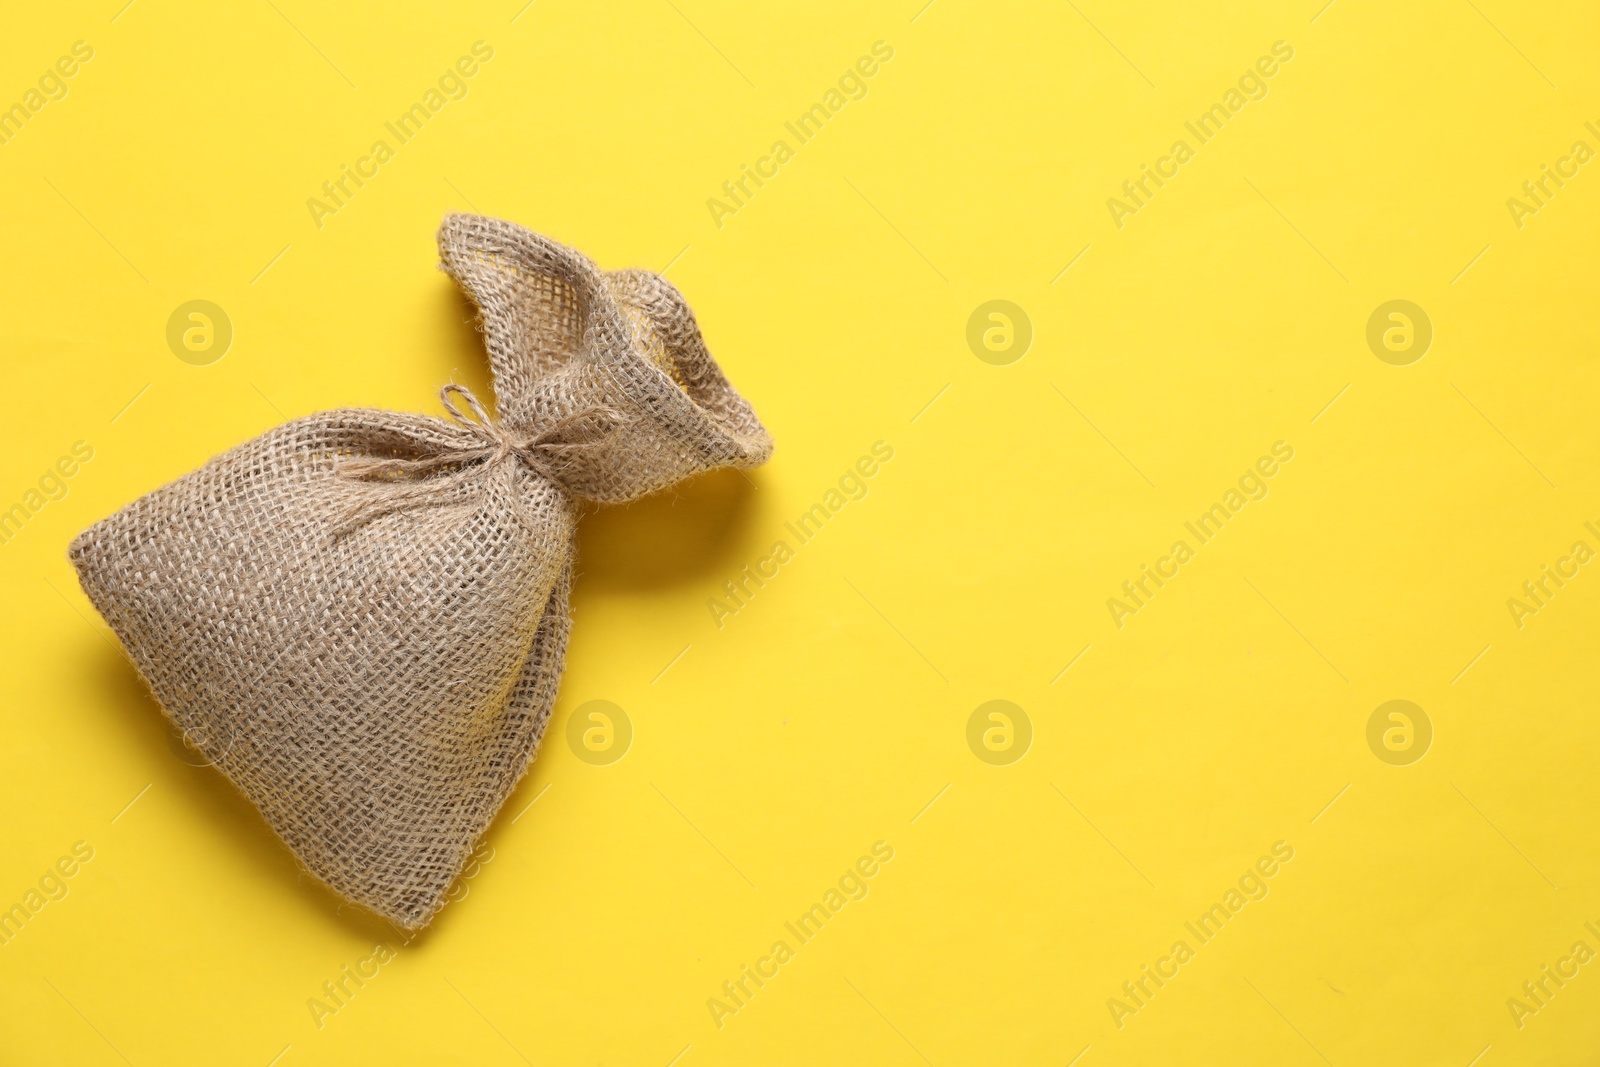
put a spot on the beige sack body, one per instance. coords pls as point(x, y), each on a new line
point(361, 616)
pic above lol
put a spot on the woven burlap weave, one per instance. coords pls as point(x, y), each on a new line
point(361, 616)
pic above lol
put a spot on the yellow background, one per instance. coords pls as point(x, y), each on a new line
point(829, 712)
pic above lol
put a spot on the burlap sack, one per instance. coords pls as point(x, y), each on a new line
point(361, 616)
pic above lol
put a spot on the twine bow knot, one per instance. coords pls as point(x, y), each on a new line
point(484, 444)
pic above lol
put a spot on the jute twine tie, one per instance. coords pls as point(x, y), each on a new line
point(484, 445)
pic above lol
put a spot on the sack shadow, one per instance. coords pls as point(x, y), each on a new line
point(680, 536)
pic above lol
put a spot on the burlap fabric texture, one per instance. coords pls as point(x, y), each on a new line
point(361, 616)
